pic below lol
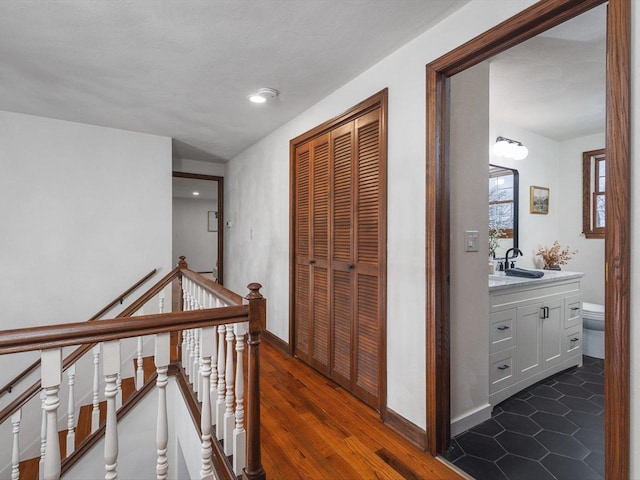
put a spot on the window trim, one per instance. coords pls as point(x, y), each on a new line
point(590, 191)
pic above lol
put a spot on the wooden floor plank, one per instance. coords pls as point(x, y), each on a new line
point(313, 429)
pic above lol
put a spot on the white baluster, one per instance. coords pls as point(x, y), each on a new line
point(15, 452)
point(162, 425)
point(229, 418)
point(43, 436)
point(111, 369)
point(239, 434)
point(51, 372)
point(186, 358)
point(71, 411)
point(161, 302)
point(95, 412)
point(221, 386)
point(119, 391)
point(196, 362)
point(208, 339)
point(214, 371)
point(139, 369)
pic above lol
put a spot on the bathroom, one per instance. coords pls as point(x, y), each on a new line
point(496, 99)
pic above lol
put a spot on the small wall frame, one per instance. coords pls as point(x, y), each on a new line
point(212, 221)
point(539, 200)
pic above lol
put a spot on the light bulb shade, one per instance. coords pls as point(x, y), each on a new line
point(500, 147)
point(521, 152)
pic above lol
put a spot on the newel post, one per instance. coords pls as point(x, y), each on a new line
point(257, 321)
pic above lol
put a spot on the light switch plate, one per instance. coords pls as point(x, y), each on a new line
point(472, 241)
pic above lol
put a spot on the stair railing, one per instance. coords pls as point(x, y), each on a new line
point(116, 301)
point(207, 310)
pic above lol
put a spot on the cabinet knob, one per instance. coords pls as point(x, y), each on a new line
point(503, 367)
point(503, 327)
point(311, 262)
point(350, 266)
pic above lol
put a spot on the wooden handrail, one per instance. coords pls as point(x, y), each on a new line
point(68, 334)
point(119, 299)
point(212, 287)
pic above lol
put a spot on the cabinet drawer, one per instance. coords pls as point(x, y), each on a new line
point(573, 341)
point(502, 369)
point(572, 311)
point(502, 334)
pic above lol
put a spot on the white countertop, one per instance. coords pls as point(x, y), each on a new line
point(499, 281)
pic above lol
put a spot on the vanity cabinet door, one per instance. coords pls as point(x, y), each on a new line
point(528, 335)
point(552, 329)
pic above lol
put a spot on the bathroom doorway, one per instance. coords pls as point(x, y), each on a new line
point(536, 19)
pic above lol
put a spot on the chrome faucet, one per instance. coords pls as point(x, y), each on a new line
point(517, 252)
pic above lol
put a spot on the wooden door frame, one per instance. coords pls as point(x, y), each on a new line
point(377, 100)
point(220, 180)
point(526, 24)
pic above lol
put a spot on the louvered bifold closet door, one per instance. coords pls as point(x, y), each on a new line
point(342, 141)
point(303, 250)
point(319, 262)
point(369, 241)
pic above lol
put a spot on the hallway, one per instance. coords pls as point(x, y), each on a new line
point(312, 429)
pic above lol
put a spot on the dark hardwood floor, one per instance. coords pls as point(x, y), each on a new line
point(312, 429)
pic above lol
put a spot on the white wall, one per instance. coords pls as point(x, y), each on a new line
point(540, 168)
point(196, 166)
point(86, 212)
point(469, 171)
point(257, 198)
point(191, 237)
point(590, 256)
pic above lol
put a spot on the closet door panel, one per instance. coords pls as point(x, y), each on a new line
point(342, 330)
point(320, 330)
point(303, 242)
point(368, 189)
point(366, 338)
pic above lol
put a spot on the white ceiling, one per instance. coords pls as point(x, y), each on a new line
point(554, 84)
point(184, 68)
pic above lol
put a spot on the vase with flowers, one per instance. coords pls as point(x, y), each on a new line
point(555, 255)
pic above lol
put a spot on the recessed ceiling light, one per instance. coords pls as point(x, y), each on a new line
point(263, 94)
point(195, 194)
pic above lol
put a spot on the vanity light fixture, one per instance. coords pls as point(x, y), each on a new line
point(263, 95)
point(505, 147)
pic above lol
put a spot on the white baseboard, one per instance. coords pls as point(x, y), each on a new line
point(470, 419)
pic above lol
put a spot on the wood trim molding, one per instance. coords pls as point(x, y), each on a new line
point(220, 180)
point(406, 429)
point(276, 342)
point(528, 23)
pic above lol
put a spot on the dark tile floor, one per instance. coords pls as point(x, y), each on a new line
point(554, 430)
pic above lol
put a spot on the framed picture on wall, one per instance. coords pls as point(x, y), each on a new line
point(212, 221)
point(539, 200)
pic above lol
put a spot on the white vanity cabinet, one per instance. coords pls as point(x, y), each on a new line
point(535, 331)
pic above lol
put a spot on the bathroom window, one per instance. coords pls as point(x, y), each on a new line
point(594, 175)
point(501, 205)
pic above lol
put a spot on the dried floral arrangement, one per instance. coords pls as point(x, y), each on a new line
point(555, 255)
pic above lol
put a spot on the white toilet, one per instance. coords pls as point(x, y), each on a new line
point(593, 330)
